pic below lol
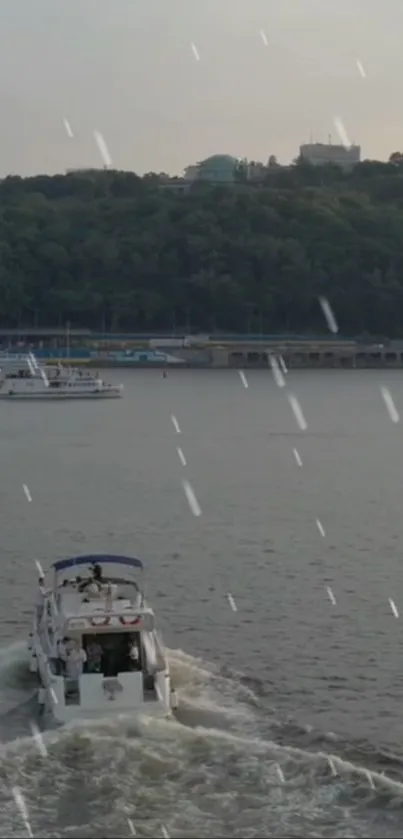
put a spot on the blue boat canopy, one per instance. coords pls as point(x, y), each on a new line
point(75, 561)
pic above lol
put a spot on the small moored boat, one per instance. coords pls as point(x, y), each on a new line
point(94, 643)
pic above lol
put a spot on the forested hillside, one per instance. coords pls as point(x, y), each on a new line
point(112, 251)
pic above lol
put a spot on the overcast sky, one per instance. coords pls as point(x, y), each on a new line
point(127, 69)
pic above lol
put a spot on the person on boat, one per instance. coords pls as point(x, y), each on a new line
point(96, 571)
point(63, 648)
point(76, 659)
point(94, 582)
point(109, 598)
point(94, 656)
point(40, 599)
point(134, 653)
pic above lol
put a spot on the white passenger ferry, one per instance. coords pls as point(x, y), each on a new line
point(94, 643)
point(21, 377)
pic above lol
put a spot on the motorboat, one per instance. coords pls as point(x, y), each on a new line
point(94, 643)
point(22, 377)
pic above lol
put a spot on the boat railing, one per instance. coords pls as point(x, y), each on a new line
point(115, 620)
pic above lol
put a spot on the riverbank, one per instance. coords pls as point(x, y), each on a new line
point(296, 355)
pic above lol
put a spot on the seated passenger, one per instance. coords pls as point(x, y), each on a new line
point(76, 658)
point(134, 653)
point(94, 656)
point(61, 655)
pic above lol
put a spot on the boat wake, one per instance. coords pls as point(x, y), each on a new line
point(227, 766)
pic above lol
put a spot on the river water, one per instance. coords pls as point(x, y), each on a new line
point(268, 692)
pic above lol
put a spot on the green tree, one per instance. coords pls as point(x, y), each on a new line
point(111, 251)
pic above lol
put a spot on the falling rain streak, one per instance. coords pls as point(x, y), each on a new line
point(27, 493)
point(393, 606)
point(331, 596)
point(175, 423)
point(277, 374)
point(390, 405)
point(232, 603)
point(370, 778)
point(297, 457)
point(243, 378)
point(39, 568)
point(320, 527)
point(328, 313)
point(131, 828)
point(181, 456)
point(191, 498)
point(23, 810)
point(360, 68)
point(264, 37)
point(68, 127)
point(53, 696)
point(341, 131)
point(298, 414)
point(195, 51)
point(280, 773)
point(103, 148)
point(39, 741)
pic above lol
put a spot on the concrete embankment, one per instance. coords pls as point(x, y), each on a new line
point(307, 355)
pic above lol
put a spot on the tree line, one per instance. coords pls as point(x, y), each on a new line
point(111, 251)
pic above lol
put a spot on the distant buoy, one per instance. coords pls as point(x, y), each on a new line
point(164, 374)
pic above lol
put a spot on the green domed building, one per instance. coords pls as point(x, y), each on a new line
point(220, 168)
